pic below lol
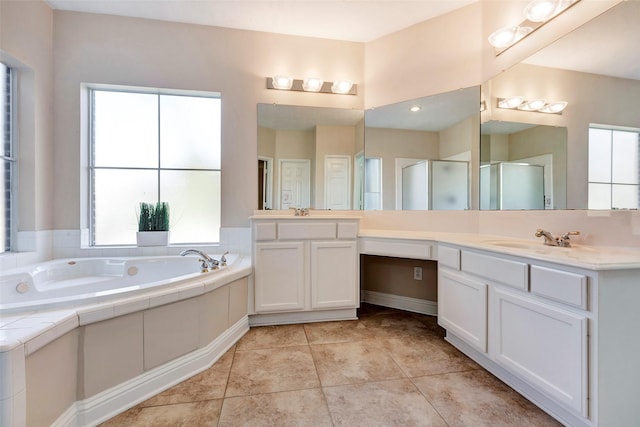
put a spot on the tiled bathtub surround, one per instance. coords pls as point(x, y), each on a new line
point(387, 368)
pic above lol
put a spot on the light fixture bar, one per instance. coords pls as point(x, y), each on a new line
point(536, 14)
point(534, 105)
point(341, 87)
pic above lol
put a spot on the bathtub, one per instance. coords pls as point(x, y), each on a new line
point(71, 282)
point(177, 322)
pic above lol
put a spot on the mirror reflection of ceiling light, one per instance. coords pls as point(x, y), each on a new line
point(534, 105)
point(311, 84)
point(537, 13)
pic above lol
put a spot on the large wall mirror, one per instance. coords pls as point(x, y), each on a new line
point(310, 157)
point(586, 157)
point(421, 154)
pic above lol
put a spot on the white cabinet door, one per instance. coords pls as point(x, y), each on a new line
point(334, 274)
point(462, 307)
point(279, 276)
point(543, 344)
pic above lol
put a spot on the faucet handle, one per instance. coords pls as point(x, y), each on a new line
point(223, 259)
point(566, 235)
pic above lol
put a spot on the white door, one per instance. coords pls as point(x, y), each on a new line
point(337, 182)
point(295, 184)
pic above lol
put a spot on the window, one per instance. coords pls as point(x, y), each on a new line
point(613, 168)
point(148, 147)
point(7, 157)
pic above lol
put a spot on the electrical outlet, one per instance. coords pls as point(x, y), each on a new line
point(417, 273)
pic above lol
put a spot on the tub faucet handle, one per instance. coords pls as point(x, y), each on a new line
point(223, 259)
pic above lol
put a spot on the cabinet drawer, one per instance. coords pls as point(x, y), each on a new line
point(395, 248)
point(265, 231)
point(347, 230)
point(563, 286)
point(307, 230)
point(449, 257)
point(507, 272)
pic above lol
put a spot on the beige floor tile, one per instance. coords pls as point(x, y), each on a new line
point(353, 363)
point(384, 403)
point(477, 398)
point(271, 370)
point(290, 408)
point(429, 355)
point(332, 332)
point(202, 414)
point(207, 385)
point(272, 337)
point(398, 324)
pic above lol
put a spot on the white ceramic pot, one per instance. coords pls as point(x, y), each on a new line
point(152, 238)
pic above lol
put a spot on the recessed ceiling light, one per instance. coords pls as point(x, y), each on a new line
point(415, 108)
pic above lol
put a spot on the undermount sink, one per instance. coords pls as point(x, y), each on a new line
point(516, 245)
point(578, 251)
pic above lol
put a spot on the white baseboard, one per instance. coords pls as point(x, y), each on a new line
point(302, 317)
point(414, 305)
point(109, 403)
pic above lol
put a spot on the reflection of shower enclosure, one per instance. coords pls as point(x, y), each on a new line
point(435, 185)
point(511, 186)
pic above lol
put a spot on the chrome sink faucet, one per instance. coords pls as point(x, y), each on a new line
point(563, 241)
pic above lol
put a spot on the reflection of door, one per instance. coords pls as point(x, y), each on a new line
point(415, 187)
point(358, 187)
point(265, 182)
point(337, 182)
point(294, 184)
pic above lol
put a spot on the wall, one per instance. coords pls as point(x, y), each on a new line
point(394, 276)
point(25, 42)
point(115, 50)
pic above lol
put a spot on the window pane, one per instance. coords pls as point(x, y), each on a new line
point(118, 194)
point(599, 196)
point(190, 132)
point(625, 157)
point(599, 155)
point(624, 196)
point(194, 200)
point(125, 129)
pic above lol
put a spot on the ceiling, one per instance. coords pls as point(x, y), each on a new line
point(349, 20)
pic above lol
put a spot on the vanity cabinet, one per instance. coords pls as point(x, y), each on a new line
point(530, 321)
point(306, 266)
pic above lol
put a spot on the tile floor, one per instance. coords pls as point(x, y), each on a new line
point(389, 368)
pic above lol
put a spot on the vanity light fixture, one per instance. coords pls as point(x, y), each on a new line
point(534, 105)
point(282, 82)
point(342, 86)
point(537, 13)
point(311, 84)
point(511, 102)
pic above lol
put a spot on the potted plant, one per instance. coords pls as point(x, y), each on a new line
point(153, 224)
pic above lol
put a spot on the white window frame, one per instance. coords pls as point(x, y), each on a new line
point(90, 90)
